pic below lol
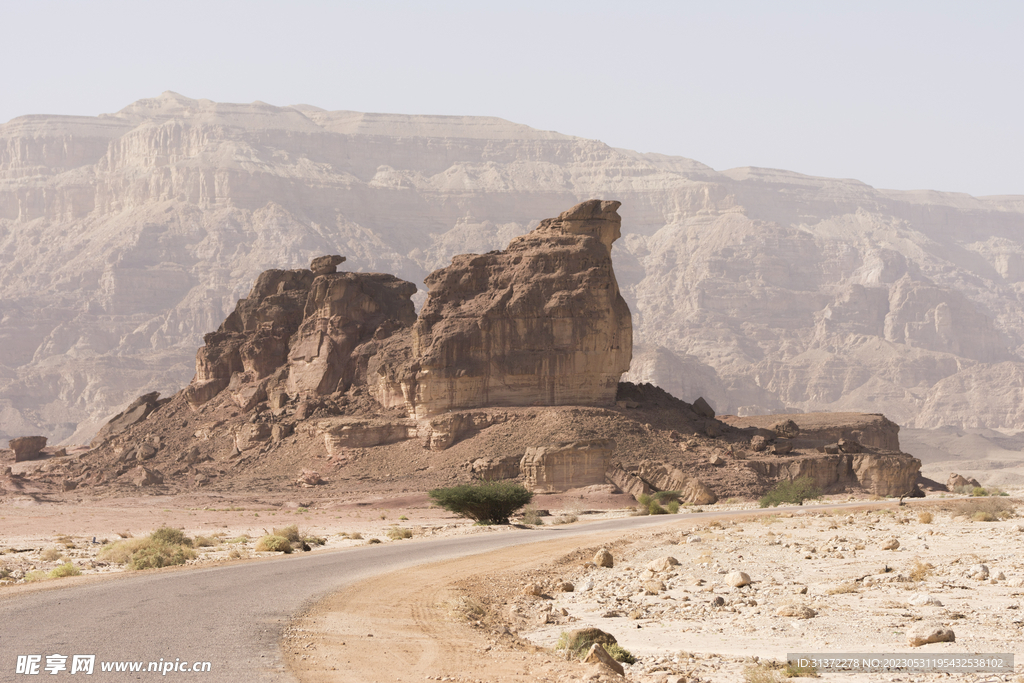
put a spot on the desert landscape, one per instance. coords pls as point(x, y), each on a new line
point(327, 408)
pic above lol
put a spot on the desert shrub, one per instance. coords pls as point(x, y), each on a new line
point(644, 499)
point(797, 671)
point(762, 672)
point(51, 554)
point(274, 543)
point(235, 554)
point(66, 541)
point(920, 571)
point(66, 569)
point(978, 492)
point(566, 519)
point(289, 532)
point(397, 533)
point(924, 517)
point(673, 507)
point(204, 542)
point(997, 507)
point(796, 492)
point(667, 496)
point(170, 536)
point(531, 516)
point(239, 539)
point(373, 541)
point(162, 548)
point(577, 643)
point(489, 502)
point(619, 653)
point(355, 536)
point(983, 516)
point(655, 509)
point(314, 540)
point(35, 575)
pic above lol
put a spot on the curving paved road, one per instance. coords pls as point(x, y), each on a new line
point(233, 616)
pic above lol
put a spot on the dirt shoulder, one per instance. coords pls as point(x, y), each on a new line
point(479, 619)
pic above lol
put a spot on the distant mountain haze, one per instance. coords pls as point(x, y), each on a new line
point(127, 236)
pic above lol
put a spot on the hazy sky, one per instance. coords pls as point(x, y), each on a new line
point(900, 95)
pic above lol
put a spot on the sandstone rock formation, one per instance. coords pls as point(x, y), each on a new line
point(300, 334)
point(27, 447)
point(566, 466)
point(859, 299)
point(540, 323)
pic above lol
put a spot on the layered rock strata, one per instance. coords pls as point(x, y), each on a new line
point(566, 466)
point(540, 323)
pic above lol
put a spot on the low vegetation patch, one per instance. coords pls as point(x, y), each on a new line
point(274, 543)
point(489, 502)
point(50, 555)
point(289, 532)
point(848, 587)
point(925, 517)
point(163, 548)
point(920, 570)
point(397, 533)
point(66, 569)
point(531, 516)
point(998, 508)
point(793, 492)
point(577, 643)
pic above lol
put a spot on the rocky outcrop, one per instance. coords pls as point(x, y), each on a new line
point(350, 432)
point(817, 430)
point(882, 474)
point(540, 323)
point(299, 333)
point(27, 447)
point(562, 467)
point(137, 411)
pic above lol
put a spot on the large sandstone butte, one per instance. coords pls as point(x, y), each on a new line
point(540, 323)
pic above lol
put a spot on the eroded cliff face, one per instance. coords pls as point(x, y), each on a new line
point(300, 334)
point(540, 323)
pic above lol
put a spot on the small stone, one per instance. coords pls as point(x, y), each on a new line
point(795, 611)
point(718, 601)
point(922, 634)
point(653, 587)
point(693, 539)
point(737, 579)
point(532, 589)
point(598, 655)
point(979, 572)
point(890, 544)
point(565, 587)
point(662, 564)
point(716, 460)
point(923, 599)
point(603, 558)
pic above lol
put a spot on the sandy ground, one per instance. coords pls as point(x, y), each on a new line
point(38, 534)
point(475, 619)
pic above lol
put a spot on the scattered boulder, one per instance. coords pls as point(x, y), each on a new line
point(598, 655)
point(653, 587)
point(956, 481)
point(890, 544)
point(27, 447)
point(662, 564)
point(796, 611)
point(786, 429)
point(603, 558)
point(565, 587)
point(309, 478)
point(143, 476)
point(758, 443)
point(850, 446)
point(922, 634)
point(145, 452)
point(532, 589)
point(737, 579)
point(716, 460)
point(781, 447)
point(697, 493)
point(979, 572)
point(702, 408)
point(923, 600)
point(325, 265)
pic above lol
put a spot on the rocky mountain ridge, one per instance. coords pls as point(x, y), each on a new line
point(128, 236)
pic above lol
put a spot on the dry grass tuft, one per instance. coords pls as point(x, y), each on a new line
point(925, 517)
point(920, 571)
point(848, 587)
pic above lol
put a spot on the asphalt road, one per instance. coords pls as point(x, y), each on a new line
point(231, 616)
